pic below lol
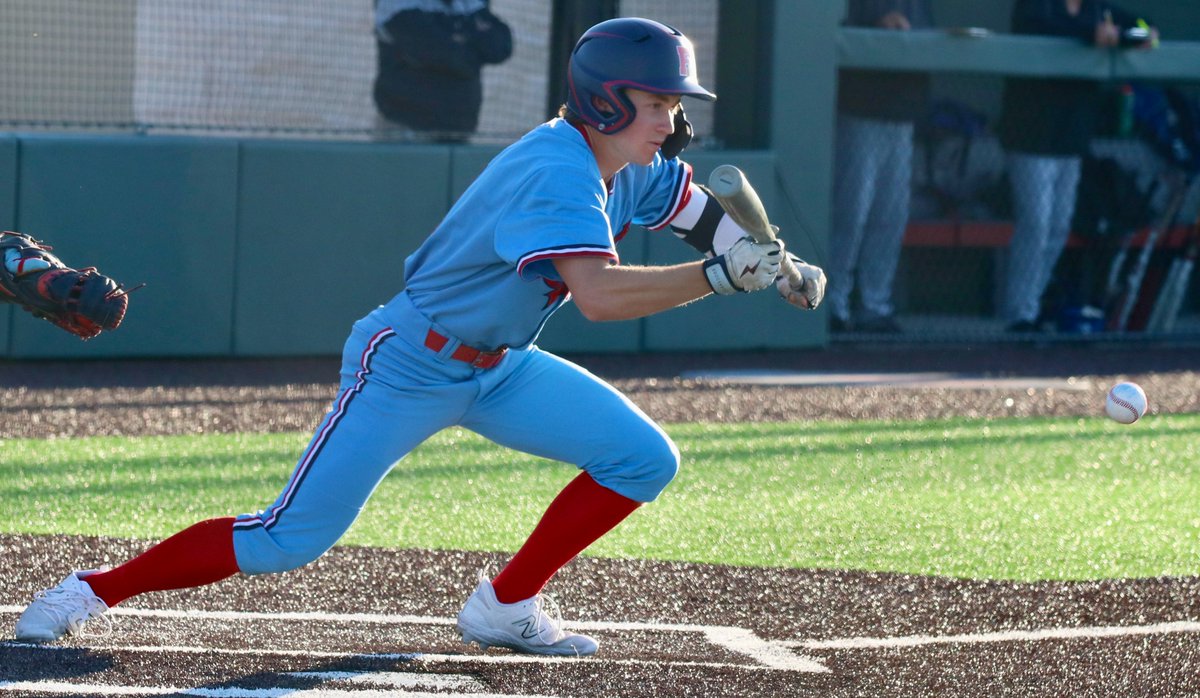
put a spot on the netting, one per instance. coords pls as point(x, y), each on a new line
point(295, 68)
point(984, 242)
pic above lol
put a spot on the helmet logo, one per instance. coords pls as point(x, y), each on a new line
point(685, 61)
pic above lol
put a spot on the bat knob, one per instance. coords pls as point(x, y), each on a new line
point(726, 180)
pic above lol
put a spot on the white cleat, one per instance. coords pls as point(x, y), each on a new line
point(523, 626)
point(62, 610)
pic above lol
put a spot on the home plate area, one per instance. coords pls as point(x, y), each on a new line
point(298, 655)
point(369, 622)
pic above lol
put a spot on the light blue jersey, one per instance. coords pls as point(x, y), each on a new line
point(486, 274)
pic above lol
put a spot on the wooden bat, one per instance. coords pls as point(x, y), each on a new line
point(1119, 320)
point(733, 191)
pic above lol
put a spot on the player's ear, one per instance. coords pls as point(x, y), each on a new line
point(602, 106)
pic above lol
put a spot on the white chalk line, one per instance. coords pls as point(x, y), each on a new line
point(1081, 632)
point(95, 689)
point(396, 679)
point(767, 654)
point(426, 658)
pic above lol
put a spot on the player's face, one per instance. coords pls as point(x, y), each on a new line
point(655, 120)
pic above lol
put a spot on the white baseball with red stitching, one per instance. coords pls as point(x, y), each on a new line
point(1126, 402)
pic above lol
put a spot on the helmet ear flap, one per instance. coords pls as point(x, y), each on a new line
point(679, 139)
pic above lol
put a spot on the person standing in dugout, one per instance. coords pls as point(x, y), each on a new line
point(872, 183)
point(1046, 126)
point(456, 347)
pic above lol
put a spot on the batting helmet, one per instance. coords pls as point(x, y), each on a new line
point(629, 52)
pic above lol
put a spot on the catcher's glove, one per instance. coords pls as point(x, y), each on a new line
point(82, 302)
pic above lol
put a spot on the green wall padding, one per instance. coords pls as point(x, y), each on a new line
point(8, 220)
point(323, 233)
point(272, 248)
point(159, 211)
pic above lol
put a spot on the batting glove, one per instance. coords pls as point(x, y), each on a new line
point(807, 294)
point(746, 266)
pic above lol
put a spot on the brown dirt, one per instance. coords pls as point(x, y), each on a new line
point(64, 399)
point(53, 399)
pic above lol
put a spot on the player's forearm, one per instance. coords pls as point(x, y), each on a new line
point(608, 293)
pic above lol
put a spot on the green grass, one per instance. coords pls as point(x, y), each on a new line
point(1008, 499)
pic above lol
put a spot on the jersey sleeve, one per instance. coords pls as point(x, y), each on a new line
point(555, 214)
point(663, 192)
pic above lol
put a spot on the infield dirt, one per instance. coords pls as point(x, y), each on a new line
point(935, 636)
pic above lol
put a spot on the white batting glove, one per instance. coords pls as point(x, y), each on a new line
point(746, 266)
point(809, 293)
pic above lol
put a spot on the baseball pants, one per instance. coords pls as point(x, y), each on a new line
point(871, 203)
point(395, 393)
point(1043, 190)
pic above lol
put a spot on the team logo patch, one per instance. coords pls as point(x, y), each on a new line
point(685, 61)
point(558, 291)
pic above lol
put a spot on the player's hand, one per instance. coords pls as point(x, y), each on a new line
point(746, 266)
point(1107, 33)
point(894, 20)
point(809, 293)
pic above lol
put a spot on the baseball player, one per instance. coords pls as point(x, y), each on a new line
point(456, 347)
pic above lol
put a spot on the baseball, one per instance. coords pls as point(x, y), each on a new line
point(1126, 402)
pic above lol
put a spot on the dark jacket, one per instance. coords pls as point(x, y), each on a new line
point(884, 94)
point(429, 67)
point(1055, 116)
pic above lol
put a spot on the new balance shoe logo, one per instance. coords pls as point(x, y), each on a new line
point(529, 628)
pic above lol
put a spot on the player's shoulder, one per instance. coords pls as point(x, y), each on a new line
point(560, 143)
point(554, 152)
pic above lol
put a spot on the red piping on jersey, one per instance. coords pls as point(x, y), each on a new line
point(684, 196)
point(562, 255)
point(608, 185)
point(583, 132)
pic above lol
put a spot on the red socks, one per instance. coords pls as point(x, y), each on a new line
point(196, 556)
point(577, 517)
point(203, 554)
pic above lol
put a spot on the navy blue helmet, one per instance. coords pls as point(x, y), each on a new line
point(629, 52)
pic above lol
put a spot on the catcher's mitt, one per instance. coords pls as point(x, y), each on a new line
point(82, 302)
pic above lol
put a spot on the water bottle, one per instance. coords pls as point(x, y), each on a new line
point(1125, 111)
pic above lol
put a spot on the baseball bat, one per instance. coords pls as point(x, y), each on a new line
point(733, 191)
point(1133, 283)
point(1174, 289)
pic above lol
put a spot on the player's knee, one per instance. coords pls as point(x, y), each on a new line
point(668, 463)
point(642, 472)
point(287, 560)
point(660, 466)
point(263, 553)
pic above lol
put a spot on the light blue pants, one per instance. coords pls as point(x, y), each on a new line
point(871, 194)
point(396, 393)
point(1043, 190)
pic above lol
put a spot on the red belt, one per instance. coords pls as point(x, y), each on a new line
point(464, 353)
